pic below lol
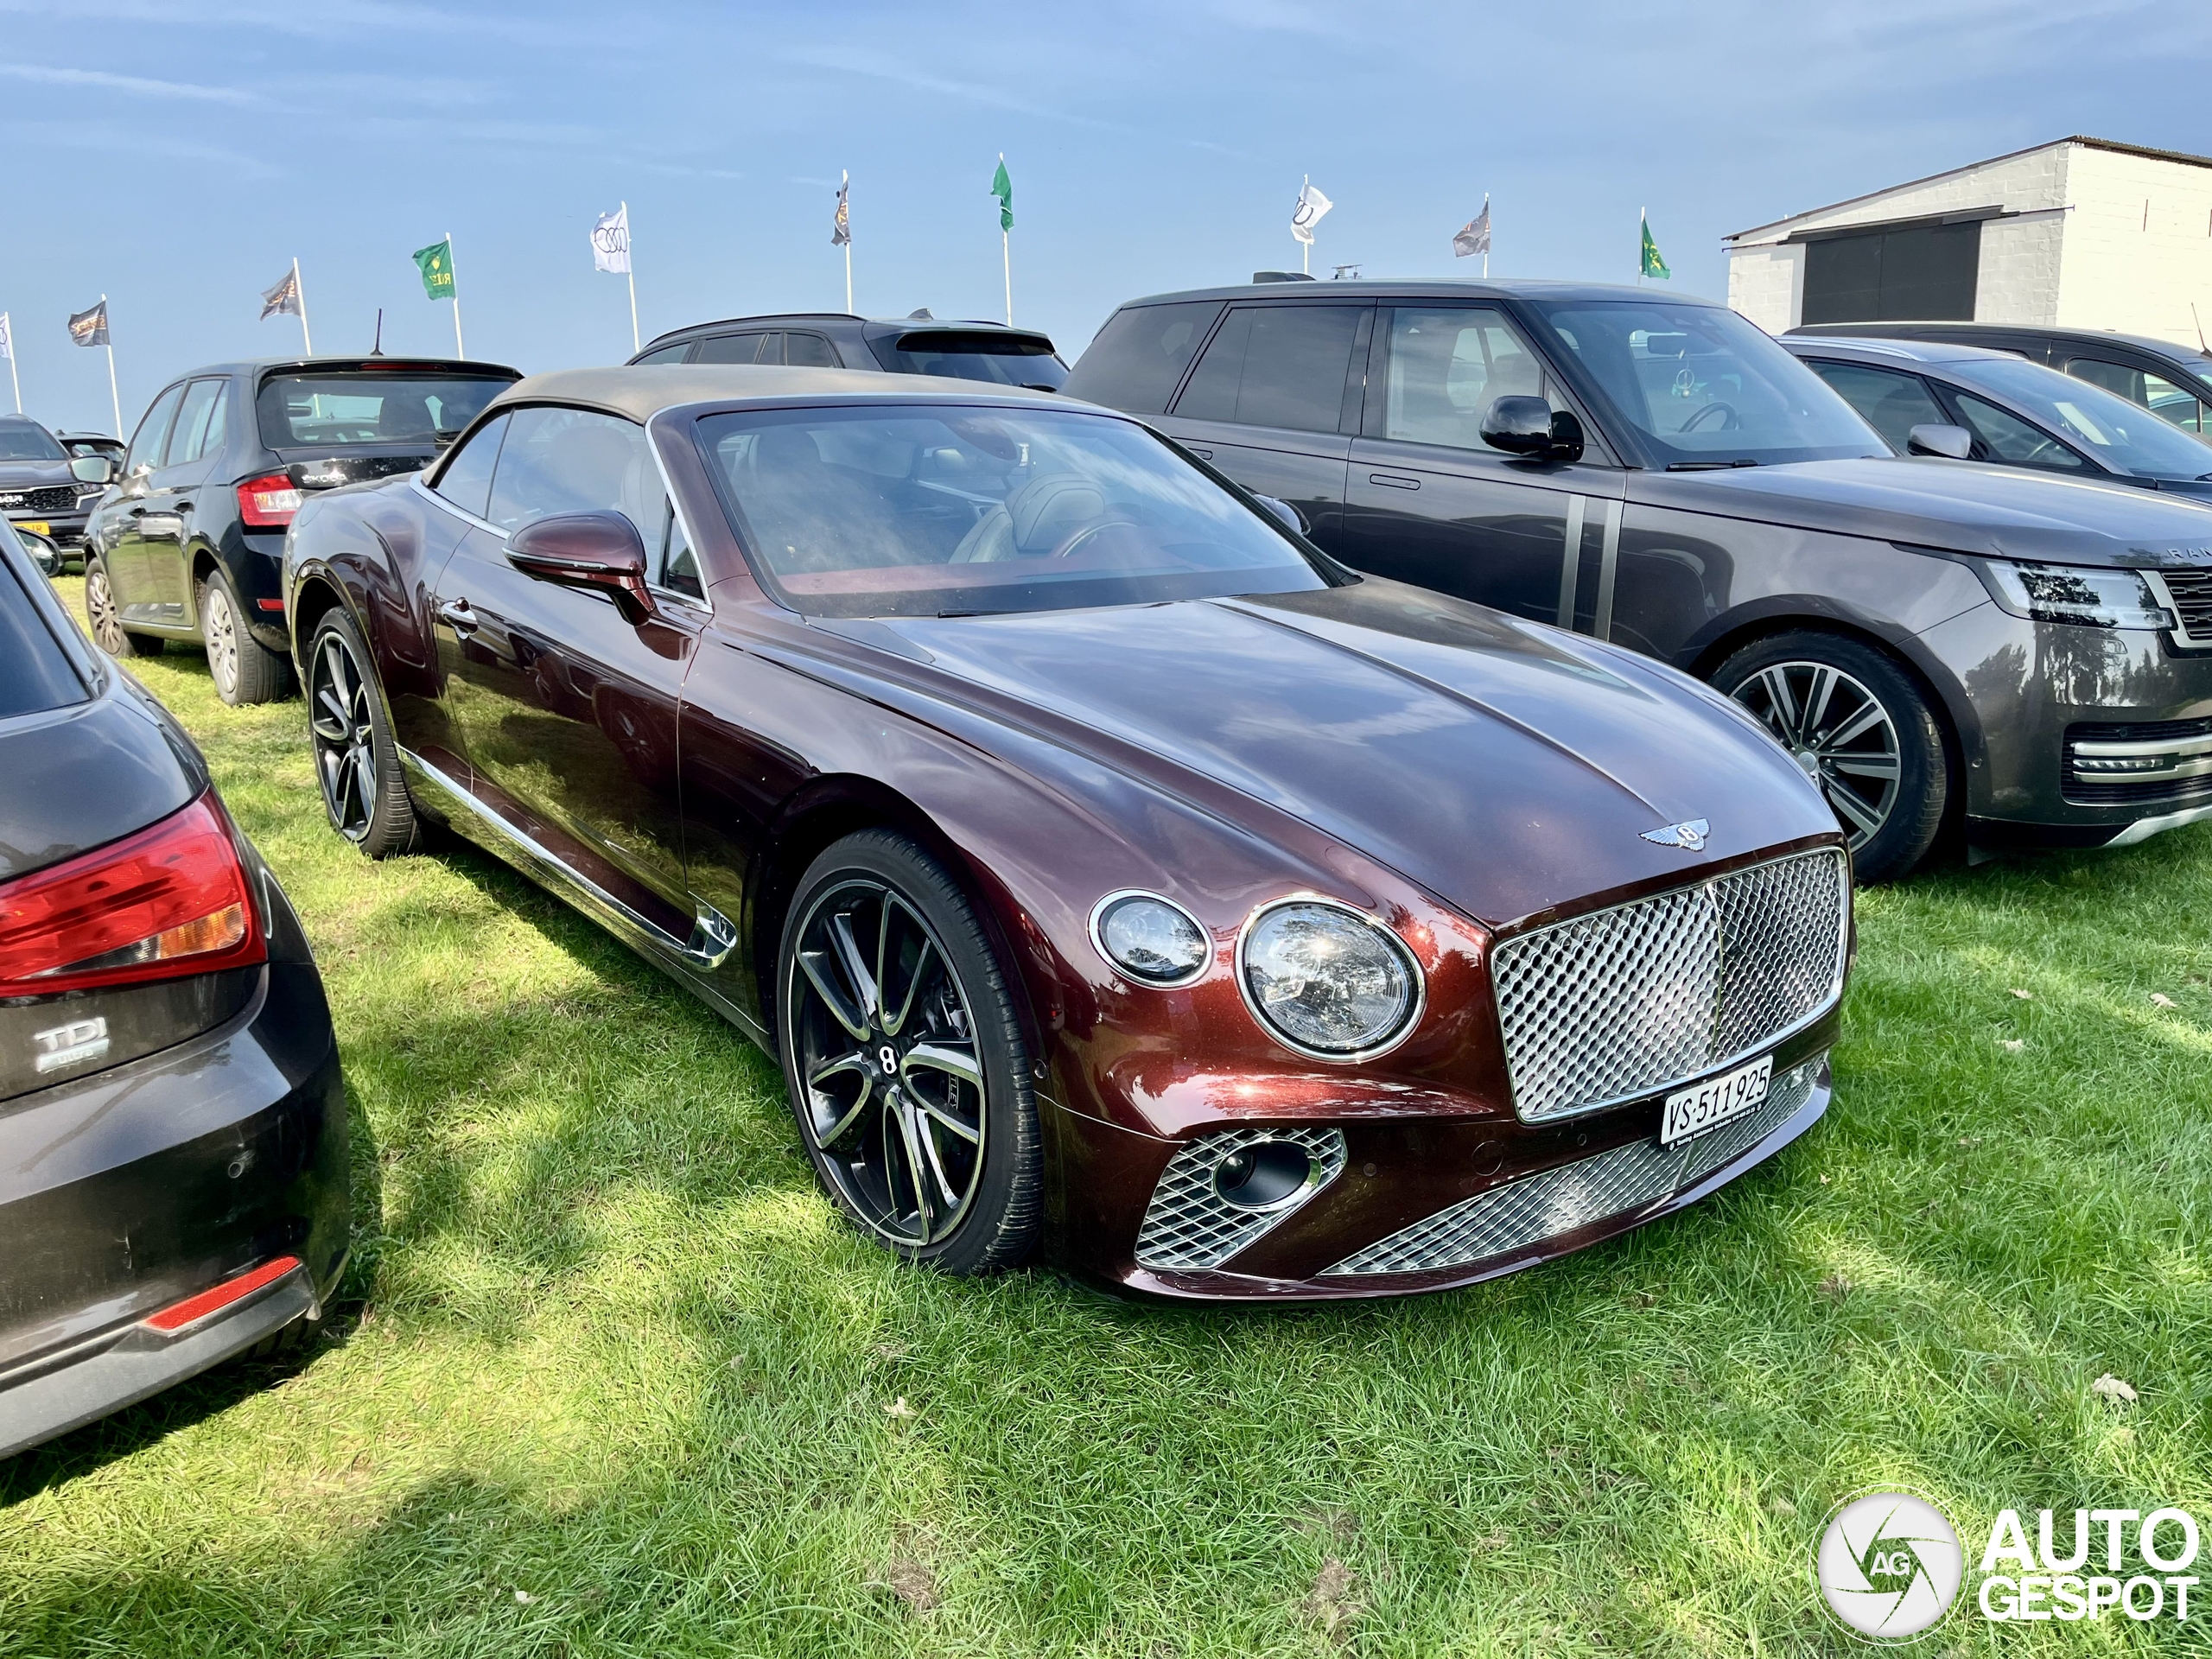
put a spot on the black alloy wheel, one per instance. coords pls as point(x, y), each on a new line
point(905, 1060)
point(356, 760)
point(1859, 726)
point(108, 631)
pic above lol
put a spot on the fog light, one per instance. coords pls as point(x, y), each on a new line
point(1263, 1175)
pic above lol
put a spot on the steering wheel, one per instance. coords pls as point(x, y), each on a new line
point(1728, 422)
point(1075, 539)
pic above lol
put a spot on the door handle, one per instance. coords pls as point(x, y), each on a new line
point(184, 507)
point(138, 512)
point(456, 612)
point(1393, 481)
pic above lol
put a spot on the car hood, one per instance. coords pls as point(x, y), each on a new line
point(1507, 767)
point(34, 474)
point(1963, 506)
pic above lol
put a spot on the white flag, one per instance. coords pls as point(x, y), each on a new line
point(610, 241)
point(1312, 204)
point(7, 340)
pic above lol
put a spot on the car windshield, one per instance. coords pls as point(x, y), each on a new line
point(2124, 435)
point(1705, 388)
point(23, 441)
point(371, 406)
point(942, 510)
point(999, 360)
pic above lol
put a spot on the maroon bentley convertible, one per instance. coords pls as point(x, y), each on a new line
point(1115, 876)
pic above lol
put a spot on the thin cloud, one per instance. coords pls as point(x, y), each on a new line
point(989, 97)
point(139, 83)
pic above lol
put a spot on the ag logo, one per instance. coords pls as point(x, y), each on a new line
point(1890, 1564)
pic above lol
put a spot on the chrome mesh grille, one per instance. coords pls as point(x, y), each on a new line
point(1537, 1207)
point(1189, 1225)
point(1630, 1001)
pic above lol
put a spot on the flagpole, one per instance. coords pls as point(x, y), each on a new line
point(1006, 255)
point(1486, 235)
point(1306, 243)
point(7, 326)
point(848, 277)
point(629, 269)
point(1642, 218)
point(306, 339)
point(114, 399)
point(458, 350)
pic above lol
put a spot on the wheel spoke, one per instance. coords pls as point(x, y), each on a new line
point(853, 1064)
point(333, 727)
point(1862, 765)
point(909, 1132)
point(1858, 725)
point(841, 1009)
point(850, 958)
point(1780, 700)
point(972, 1134)
point(1861, 816)
point(952, 1062)
point(1816, 698)
point(937, 1166)
point(895, 1023)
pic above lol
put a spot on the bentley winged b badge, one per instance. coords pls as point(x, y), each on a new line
point(1690, 836)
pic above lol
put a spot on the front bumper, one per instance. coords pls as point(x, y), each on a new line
point(64, 530)
point(2054, 707)
point(1426, 1203)
point(135, 1188)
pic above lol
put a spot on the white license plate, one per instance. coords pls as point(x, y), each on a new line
point(1692, 1111)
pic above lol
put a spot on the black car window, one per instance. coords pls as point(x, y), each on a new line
point(27, 441)
point(1703, 386)
point(1138, 359)
point(153, 431)
point(2123, 436)
point(2154, 392)
point(730, 349)
point(997, 359)
point(805, 351)
point(467, 480)
point(1279, 366)
point(35, 673)
point(371, 405)
point(560, 460)
point(933, 509)
point(199, 427)
point(1894, 404)
point(2009, 439)
point(674, 564)
point(1447, 367)
point(666, 354)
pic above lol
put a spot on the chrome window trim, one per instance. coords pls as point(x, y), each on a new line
point(1406, 1026)
point(1097, 914)
point(1773, 1039)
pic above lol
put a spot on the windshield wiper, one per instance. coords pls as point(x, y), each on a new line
point(1709, 465)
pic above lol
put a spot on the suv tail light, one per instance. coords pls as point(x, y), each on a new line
point(270, 501)
point(168, 901)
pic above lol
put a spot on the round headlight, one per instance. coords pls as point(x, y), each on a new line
point(1149, 939)
point(1328, 980)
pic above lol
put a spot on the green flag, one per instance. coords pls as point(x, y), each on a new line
point(1003, 188)
point(1653, 265)
point(436, 262)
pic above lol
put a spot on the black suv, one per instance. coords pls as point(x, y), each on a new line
point(2171, 381)
point(44, 490)
point(1932, 640)
point(187, 543)
point(832, 339)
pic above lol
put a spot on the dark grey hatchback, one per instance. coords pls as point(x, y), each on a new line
point(2029, 658)
point(173, 1144)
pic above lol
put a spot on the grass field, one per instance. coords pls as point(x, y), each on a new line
point(609, 1378)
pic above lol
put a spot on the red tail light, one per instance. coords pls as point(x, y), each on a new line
point(270, 501)
point(168, 901)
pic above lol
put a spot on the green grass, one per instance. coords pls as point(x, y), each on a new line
point(610, 1378)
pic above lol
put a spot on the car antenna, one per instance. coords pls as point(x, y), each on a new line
point(376, 350)
point(920, 314)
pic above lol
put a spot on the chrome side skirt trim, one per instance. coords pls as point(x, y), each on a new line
point(714, 937)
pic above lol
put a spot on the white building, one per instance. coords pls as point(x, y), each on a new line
point(2078, 233)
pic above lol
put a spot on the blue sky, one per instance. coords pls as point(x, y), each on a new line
point(177, 157)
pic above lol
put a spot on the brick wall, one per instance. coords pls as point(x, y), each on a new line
point(2137, 246)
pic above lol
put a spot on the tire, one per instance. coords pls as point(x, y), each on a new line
point(920, 1159)
point(108, 631)
point(1864, 731)
point(349, 731)
point(244, 670)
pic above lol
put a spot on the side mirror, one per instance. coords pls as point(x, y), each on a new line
point(1293, 520)
point(1952, 442)
point(598, 552)
point(1529, 428)
point(92, 469)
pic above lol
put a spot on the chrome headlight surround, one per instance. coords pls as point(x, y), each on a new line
point(1409, 1013)
point(1098, 913)
point(2086, 596)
